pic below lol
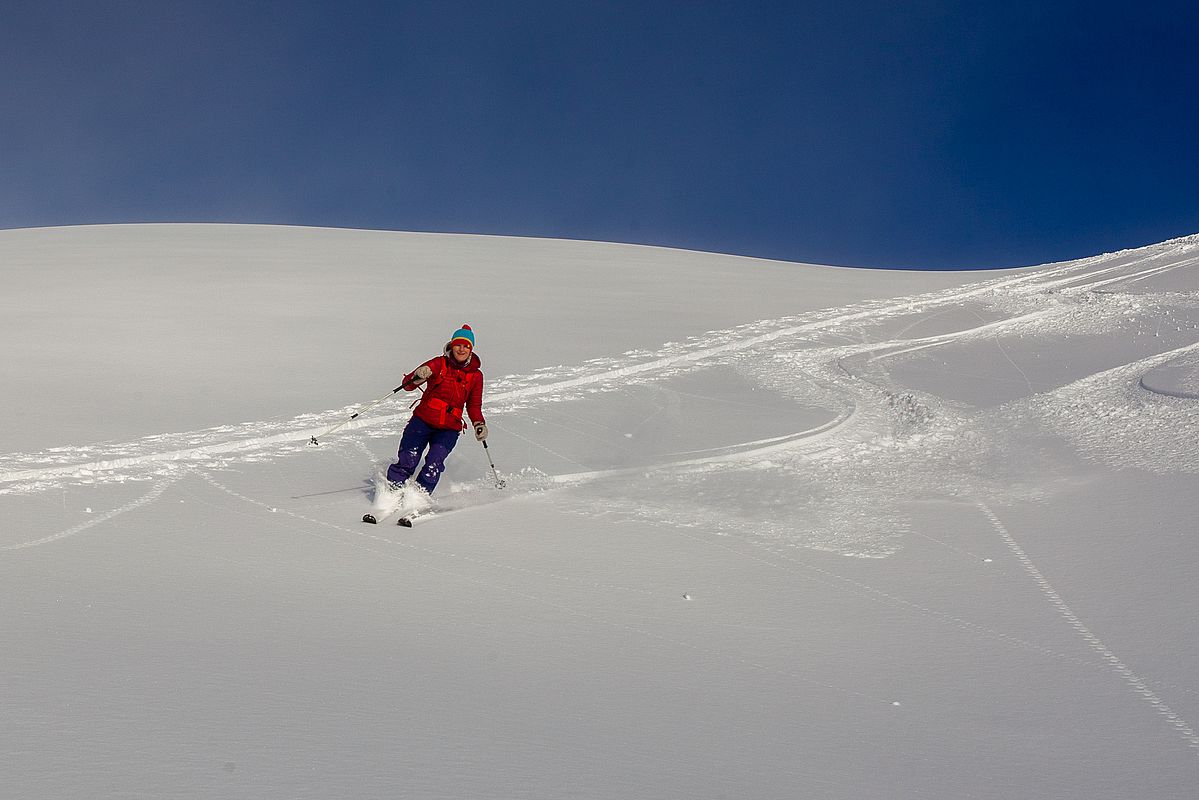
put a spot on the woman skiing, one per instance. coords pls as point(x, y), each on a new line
point(452, 382)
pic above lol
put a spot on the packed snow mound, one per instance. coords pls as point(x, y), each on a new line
point(1178, 378)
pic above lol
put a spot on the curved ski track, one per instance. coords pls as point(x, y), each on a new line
point(256, 441)
point(861, 415)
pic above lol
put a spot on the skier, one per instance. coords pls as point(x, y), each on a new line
point(454, 382)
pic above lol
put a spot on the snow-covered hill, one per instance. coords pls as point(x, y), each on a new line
point(769, 530)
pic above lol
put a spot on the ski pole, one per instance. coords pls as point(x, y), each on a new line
point(356, 414)
point(499, 482)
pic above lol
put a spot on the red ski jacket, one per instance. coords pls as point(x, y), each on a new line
point(450, 388)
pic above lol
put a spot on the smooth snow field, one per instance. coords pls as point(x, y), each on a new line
point(768, 530)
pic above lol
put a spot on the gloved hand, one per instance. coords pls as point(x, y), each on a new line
point(481, 431)
point(420, 375)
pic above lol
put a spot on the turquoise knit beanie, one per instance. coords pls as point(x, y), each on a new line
point(464, 334)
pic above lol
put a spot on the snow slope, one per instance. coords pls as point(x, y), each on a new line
point(770, 530)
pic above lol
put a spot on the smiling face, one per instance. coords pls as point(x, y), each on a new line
point(461, 351)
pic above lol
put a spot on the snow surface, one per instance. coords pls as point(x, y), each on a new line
point(770, 530)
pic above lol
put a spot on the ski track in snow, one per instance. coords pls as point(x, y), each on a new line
point(150, 496)
point(424, 554)
point(1135, 681)
point(877, 428)
point(1143, 423)
point(838, 485)
point(865, 415)
point(825, 358)
point(804, 569)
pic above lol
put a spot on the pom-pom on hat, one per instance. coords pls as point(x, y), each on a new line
point(464, 334)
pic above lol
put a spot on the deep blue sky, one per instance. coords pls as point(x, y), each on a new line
point(928, 134)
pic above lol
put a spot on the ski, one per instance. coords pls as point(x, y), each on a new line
point(375, 520)
point(391, 500)
point(408, 520)
point(408, 511)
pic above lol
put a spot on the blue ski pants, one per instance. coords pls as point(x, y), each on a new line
point(417, 436)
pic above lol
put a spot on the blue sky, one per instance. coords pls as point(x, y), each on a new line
point(914, 134)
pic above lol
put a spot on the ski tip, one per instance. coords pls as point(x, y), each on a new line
point(370, 518)
point(404, 521)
